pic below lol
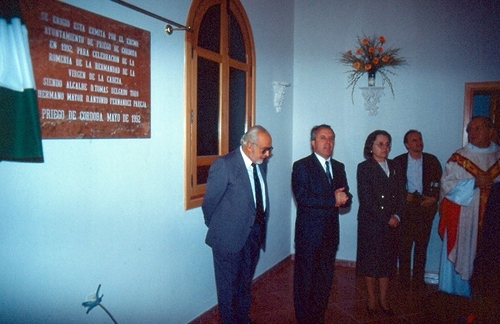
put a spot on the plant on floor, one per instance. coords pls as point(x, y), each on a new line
point(97, 302)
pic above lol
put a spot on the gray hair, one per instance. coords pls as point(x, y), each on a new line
point(487, 122)
point(315, 129)
point(252, 134)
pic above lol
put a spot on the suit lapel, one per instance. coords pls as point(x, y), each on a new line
point(242, 173)
point(378, 168)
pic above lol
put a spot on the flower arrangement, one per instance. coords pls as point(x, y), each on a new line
point(371, 57)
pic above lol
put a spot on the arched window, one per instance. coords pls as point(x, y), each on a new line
point(220, 87)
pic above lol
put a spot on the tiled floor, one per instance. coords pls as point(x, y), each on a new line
point(273, 301)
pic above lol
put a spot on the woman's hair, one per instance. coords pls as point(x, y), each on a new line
point(367, 151)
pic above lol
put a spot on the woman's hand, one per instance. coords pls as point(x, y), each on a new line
point(394, 221)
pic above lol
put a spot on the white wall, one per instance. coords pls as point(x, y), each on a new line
point(111, 212)
point(446, 44)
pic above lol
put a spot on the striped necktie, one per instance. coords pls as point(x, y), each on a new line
point(259, 205)
point(328, 174)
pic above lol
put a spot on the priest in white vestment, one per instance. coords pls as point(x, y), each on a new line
point(465, 185)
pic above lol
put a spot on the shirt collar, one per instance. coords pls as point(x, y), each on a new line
point(246, 159)
point(410, 158)
point(321, 159)
point(492, 148)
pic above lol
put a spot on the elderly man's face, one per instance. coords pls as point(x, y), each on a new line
point(261, 149)
point(478, 133)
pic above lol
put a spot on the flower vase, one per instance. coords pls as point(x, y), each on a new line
point(371, 78)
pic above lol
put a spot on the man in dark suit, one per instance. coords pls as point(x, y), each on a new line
point(320, 187)
point(422, 176)
point(485, 282)
point(236, 208)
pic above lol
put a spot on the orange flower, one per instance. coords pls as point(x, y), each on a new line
point(370, 56)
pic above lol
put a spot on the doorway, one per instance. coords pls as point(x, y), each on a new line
point(483, 99)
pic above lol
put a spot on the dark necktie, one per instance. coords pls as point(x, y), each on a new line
point(328, 174)
point(259, 206)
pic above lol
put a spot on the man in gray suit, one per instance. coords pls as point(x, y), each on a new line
point(236, 208)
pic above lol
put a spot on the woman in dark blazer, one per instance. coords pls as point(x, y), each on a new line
point(381, 193)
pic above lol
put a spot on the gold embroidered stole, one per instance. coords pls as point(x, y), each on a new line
point(472, 168)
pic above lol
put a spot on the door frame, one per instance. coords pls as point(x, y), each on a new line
point(470, 89)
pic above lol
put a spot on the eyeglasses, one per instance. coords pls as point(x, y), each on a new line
point(264, 150)
point(381, 145)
